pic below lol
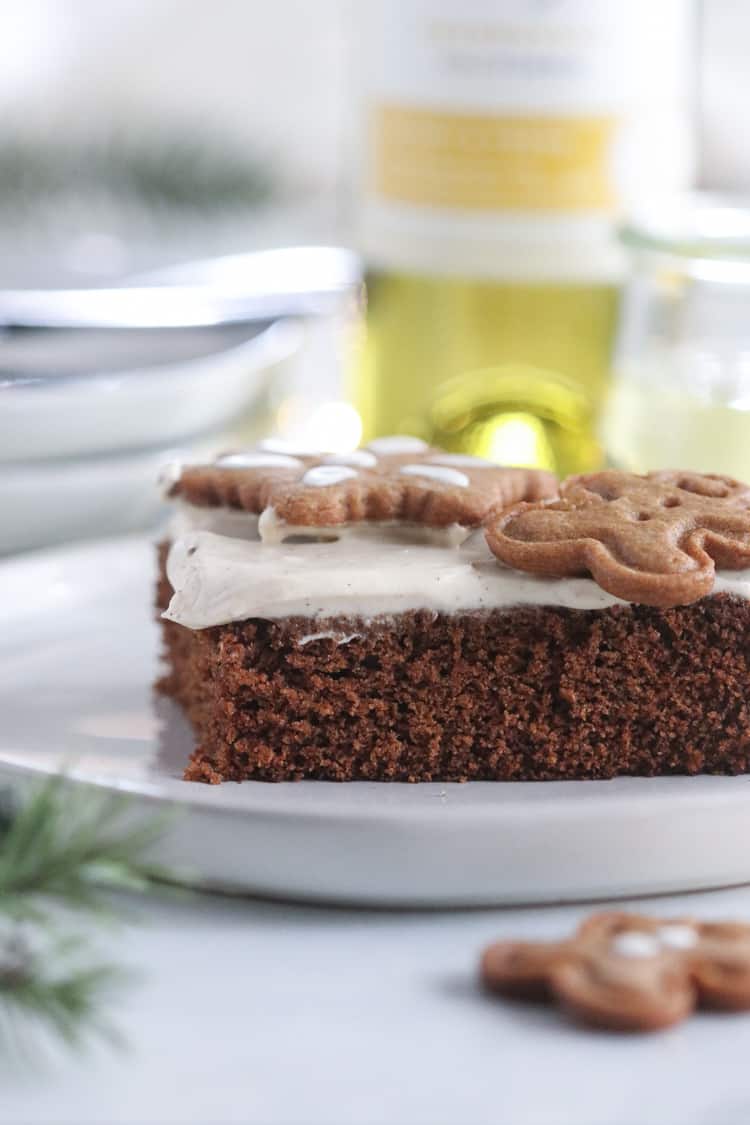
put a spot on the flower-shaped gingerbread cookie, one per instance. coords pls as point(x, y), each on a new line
point(393, 480)
point(654, 539)
point(627, 972)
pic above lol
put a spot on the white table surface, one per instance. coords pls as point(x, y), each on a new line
point(266, 1013)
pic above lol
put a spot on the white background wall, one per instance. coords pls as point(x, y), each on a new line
point(725, 93)
point(275, 73)
point(270, 72)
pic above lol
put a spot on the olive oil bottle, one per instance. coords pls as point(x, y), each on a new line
point(501, 140)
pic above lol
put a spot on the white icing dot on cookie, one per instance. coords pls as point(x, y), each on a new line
point(253, 460)
point(323, 475)
point(635, 943)
point(280, 445)
point(437, 472)
point(462, 461)
point(362, 458)
point(676, 936)
point(170, 474)
point(397, 443)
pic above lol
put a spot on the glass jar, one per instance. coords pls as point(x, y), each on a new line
point(680, 393)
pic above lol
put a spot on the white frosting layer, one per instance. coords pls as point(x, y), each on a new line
point(218, 578)
point(245, 525)
point(222, 521)
point(273, 531)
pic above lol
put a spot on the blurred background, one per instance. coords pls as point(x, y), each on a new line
point(141, 141)
point(198, 128)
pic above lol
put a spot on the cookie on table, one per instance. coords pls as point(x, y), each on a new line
point(629, 972)
point(398, 479)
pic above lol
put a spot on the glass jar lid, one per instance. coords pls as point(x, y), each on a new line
point(703, 226)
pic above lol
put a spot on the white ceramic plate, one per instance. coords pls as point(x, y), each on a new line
point(142, 401)
point(78, 655)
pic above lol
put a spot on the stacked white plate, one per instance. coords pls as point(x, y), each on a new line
point(101, 387)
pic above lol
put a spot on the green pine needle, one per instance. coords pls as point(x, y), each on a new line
point(64, 849)
point(66, 844)
point(70, 999)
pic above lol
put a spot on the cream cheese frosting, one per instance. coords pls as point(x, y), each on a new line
point(268, 527)
point(272, 530)
point(220, 572)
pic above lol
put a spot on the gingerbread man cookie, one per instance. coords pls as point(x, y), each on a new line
point(397, 479)
point(654, 539)
point(629, 972)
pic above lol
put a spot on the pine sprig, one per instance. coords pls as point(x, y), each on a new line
point(66, 844)
point(50, 988)
point(64, 849)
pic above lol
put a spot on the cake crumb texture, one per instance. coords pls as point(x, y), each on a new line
point(533, 693)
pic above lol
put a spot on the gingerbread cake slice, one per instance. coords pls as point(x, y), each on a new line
point(431, 617)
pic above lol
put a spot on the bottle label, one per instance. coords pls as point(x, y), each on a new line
point(482, 162)
point(497, 124)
